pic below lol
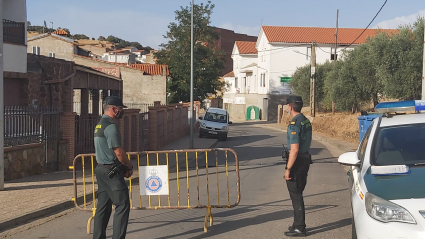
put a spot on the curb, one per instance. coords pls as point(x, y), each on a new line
point(62, 206)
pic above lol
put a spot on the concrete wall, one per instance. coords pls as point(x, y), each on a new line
point(15, 10)
point(15, 57)
point(49, 44)
point(137, 88)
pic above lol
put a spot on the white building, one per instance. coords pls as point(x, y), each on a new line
point(119, 57)
point(262, 79)
point(140, 56)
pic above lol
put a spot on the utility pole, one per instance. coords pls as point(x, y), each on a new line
point(191, 78)
point(336, 46)
point(1, 104)
point(336, 34)
point(423, 71)
point(312, 81)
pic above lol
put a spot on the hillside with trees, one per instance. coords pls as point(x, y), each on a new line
point(120, 43)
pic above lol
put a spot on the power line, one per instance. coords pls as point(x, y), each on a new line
point(367, 26)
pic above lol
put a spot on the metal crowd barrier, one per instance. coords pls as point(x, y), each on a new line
point(163, 158)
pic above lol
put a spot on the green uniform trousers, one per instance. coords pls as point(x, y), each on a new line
point(111, 191)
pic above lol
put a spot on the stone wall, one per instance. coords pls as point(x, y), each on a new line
point(137, 87)
point(42, 69)
point(23, 161)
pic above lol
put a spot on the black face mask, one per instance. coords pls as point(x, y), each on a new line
point(119, 114)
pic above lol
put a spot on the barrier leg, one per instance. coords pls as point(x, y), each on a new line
point(90, 220)
point(210, 217)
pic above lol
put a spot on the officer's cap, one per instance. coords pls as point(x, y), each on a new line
point(115, 101)
point(294, 99)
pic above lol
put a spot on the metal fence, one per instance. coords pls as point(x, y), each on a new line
point(191, 179)
point(14, 32)
point(26, 125)
point(84, 133)
point(77, 107)
point(144, 108)
point(144, 131)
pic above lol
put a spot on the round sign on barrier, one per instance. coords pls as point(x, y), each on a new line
point(153, 184)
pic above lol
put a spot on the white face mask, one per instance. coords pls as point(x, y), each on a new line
point(288, 111)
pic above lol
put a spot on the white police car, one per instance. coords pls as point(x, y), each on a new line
point(387, 175)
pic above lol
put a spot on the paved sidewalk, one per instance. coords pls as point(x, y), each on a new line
point(33, 197)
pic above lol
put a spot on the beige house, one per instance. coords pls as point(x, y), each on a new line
point(53, 45)
point(142, 83)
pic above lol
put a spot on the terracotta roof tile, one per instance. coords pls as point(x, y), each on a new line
point(319, 34)
point(112, 63)
point(230, 74)
point(246, 47)
point(151, 69)
point(114, 71)
point(60, 32)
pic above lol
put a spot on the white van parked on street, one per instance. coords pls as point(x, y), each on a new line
point(215, 123)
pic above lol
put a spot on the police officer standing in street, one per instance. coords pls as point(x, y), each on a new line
point(112, 189)
point(299, 136)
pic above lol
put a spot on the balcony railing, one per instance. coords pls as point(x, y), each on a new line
point(14, 32)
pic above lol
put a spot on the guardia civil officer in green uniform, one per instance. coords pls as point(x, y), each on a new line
point(111, 191)
point(299, 141)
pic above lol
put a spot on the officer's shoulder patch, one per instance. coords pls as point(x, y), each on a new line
point(293, 132)
point(293, 122)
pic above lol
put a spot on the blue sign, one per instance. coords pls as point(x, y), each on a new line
point(153, 184)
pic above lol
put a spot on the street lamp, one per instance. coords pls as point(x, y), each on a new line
point(191, 78)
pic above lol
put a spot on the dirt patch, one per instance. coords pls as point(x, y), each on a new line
point(342, 126)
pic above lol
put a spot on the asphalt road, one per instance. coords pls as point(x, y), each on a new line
point(264, 211)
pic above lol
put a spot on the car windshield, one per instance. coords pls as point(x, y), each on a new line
point(215, 117)
point(400, 145)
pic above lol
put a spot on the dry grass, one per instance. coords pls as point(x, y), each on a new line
point(32, 34)
point(342, 126)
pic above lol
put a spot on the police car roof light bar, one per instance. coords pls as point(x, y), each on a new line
point(400, 106)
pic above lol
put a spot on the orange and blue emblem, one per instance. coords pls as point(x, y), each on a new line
point(153, 184)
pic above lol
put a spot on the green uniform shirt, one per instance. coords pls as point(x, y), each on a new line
point(106, 137)
point(299, 132)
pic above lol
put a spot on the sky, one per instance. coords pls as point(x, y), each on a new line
point(146, 21)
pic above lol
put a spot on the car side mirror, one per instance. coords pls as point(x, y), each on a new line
point(230, 122)
point(349, 159)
